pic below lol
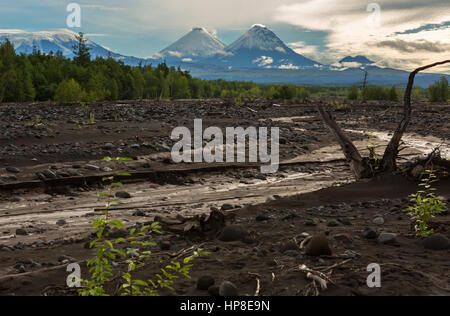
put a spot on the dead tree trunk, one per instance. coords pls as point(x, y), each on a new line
point(360, 166)
point(389, 162)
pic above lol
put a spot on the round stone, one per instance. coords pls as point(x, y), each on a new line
point(228, 289)
point(437, 242)
point(205, 282)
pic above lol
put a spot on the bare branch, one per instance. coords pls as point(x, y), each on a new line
point(391, 154)
point(358, 164)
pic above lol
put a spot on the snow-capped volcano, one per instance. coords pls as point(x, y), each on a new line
point(261, 48)
point(60, 40)
point(198, 43)
point(258, 37)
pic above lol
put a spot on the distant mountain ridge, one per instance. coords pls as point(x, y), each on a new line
point(363, 60)
point(259, 55)
point(58, 40)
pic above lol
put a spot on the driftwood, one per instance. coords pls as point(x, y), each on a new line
point(361, 167)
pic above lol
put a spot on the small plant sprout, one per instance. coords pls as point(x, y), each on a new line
point(100, 266)
point(135, 256)
point(91, 118)
point(36, 124)
point(425, 205)
point(375, 159)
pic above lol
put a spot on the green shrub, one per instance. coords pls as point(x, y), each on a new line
point(425, 204)
point(417, 93)
point(285, 92)
point(353, 94)
point(303, 94)
point(68, 92)
point(377, 93)
point(393, 94)
point(438, 92)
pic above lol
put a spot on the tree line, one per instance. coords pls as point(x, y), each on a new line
point(43, 77)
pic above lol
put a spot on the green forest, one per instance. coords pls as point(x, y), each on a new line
point(43, 77)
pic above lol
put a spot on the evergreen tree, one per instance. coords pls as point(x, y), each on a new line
point(81, 51)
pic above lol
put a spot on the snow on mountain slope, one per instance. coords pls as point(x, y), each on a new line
point(196, 44)
point(261, 48)
point(57, 40)
point(258, 38)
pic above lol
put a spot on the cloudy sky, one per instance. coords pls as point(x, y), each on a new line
point(395, 33)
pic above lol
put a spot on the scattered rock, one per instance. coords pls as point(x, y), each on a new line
point(49, 174)
point(21, 232)
point(139, 213)
point(386, 238)
point(61, 222)
point(310, 222)
point(123, 195)
point(343, 238)
point(20, 268)
point(437, 242)
point(205, 282)
point(333, 223)
point(228, 289)
point(214, 290)
point(73, 173)
point(233, 233)
point(165, 245)
point(13, 170)
point(227, 207)
point(290, 245)
point(345, 221)
point(109, 146)
point(318, 246)
point(118, 233)
point(289, 217)
point(91, 167)
point(66, 259)
point(262, 218)
point(369, 233)
point(378, 221)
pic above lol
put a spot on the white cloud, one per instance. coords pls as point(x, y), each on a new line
point(289, 66)
point(313, 52)
point(349, 32)
point(281, 50)
point(263, 61)
point(175, 54)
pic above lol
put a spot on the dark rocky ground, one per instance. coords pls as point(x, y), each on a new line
point(362, 222)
